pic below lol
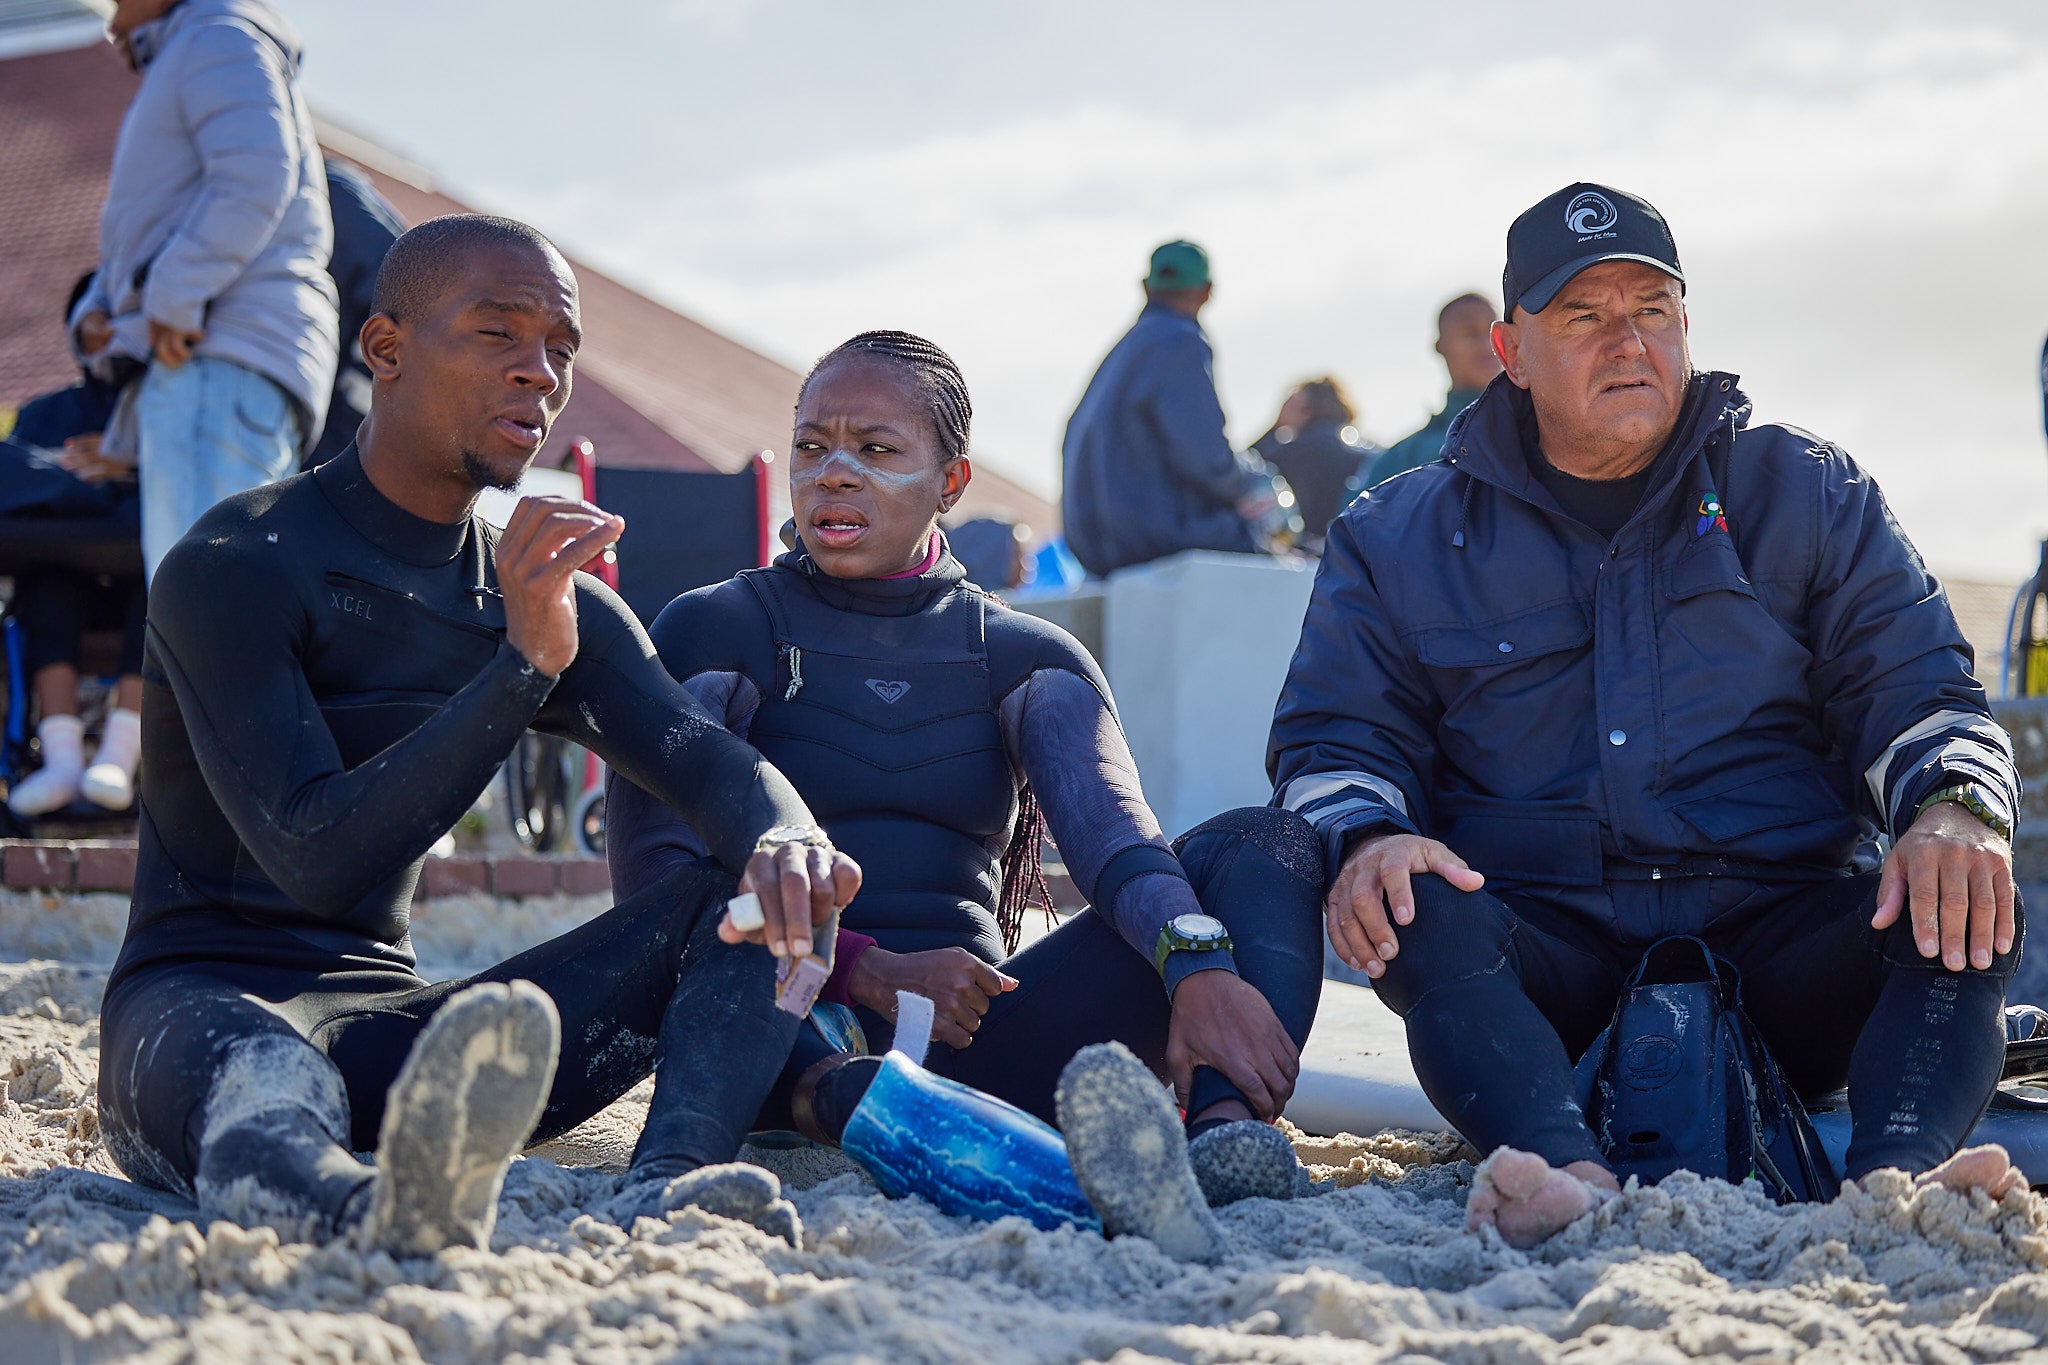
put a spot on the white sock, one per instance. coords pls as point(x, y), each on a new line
point(110, 781)
point(55, 784)
point(121, 744)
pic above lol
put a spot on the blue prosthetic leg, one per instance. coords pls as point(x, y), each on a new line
point(965, 1152)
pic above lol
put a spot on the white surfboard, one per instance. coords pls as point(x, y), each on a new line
point(1355, 1074)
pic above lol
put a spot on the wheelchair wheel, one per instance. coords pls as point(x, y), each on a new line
point(586, 823)
point(538, 781)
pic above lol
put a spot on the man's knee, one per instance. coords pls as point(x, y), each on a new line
point(1899, 948)
point(1455, 936)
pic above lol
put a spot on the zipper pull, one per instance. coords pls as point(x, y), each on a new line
point(795, 658)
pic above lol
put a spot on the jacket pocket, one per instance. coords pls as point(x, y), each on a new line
point(1797, 796)
point(1550, 843)
point(1709, 566)
point(1512, 639)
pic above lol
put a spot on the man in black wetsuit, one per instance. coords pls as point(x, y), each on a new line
point(336, 666)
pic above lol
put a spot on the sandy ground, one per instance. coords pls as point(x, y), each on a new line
point(1381, 1270)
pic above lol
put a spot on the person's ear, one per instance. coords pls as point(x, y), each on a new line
point(1507, 348)
point(959, 473)
point(383, 343)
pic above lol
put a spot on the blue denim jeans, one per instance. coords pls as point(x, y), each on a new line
point(206, 429)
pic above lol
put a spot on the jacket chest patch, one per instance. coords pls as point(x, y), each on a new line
point(890, 690)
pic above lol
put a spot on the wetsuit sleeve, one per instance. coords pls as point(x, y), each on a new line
point(1184, 409)
point(228, 632)
point(617, 700)
point(1062, 732)
point(1353, 745)
point(645, 840)
point(1891, 667)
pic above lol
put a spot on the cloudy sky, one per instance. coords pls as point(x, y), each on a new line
point(1859, 190)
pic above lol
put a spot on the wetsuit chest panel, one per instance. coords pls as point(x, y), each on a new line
point(892, 736)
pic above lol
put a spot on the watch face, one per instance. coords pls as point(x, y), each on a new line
point(1200, 928)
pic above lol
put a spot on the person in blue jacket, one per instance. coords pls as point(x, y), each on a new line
point(1623, 666)
point(1149, 471)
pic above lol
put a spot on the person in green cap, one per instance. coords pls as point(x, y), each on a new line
point(1149, 470)
point(1464, 338)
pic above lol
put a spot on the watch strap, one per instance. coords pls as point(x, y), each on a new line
point(1970, 796)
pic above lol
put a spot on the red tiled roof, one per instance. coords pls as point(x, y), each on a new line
point(61, 111)
point(655, 388)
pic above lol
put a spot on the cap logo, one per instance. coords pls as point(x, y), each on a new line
point(1590, 212)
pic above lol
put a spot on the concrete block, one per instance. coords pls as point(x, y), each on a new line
point(1198, 646)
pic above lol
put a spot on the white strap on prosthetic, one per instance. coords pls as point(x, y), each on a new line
point(915, 1016)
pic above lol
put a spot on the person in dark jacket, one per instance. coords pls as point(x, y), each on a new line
point(1623, 666)
point(926, 724)
point(1314, 444)
point(1464, 338)
point(1149, 471)
point(365, 226)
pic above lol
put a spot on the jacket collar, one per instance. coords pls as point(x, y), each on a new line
point(382, 522)
point(147, 41)
point(878, 596)
point(1162, 314)
point(1491, 441)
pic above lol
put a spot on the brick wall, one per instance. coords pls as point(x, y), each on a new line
point(109, 865)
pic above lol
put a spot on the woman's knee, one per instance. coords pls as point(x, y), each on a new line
point(1280, 836)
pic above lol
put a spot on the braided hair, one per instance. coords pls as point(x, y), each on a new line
point(938, 378)
point(945, 393)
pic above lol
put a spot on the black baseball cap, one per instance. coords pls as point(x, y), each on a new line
point(1579, 226)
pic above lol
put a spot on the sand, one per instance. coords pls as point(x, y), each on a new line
point(1380, 1270)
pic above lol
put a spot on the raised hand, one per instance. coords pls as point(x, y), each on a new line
point(544, 543)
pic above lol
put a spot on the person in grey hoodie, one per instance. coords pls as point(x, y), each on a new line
point(214, 244)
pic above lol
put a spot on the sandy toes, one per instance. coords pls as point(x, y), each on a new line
point(1528, 1200)
point(1988, 1168)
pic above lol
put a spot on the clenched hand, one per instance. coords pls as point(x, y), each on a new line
point(959, 985)
point(1220, 1020)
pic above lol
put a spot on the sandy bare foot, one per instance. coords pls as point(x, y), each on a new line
point(1988, 1168)
point(1529, 1200)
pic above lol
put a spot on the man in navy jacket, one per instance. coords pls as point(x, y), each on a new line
point(1620, 667)
point(1149, 471)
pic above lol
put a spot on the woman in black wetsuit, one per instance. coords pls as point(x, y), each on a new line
point(925, 723)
